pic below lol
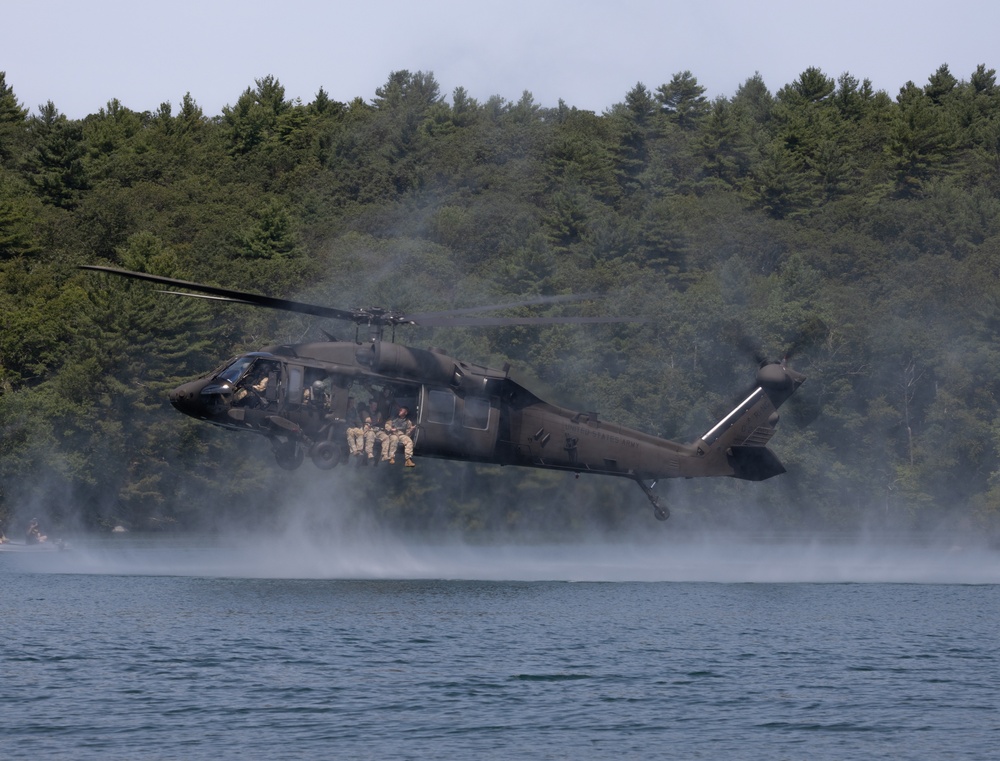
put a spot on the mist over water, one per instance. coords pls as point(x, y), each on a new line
point(332, 636)
point(666, 554)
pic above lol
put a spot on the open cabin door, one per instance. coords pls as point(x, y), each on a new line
point(456, 426)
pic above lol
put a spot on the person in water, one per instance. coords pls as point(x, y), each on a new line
point(34, 535)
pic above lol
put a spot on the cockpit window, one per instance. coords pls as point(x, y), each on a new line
point(236, 369)
point(440, 407)
point(477, 413)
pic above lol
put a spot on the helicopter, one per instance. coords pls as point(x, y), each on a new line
point(301, 398)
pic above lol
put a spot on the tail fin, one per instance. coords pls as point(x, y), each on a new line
point(738, 443)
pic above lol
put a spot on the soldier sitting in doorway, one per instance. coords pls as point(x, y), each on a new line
point(374, 431)
point(400, 430)
point(355, 427)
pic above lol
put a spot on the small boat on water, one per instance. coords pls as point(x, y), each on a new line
point(52, 546)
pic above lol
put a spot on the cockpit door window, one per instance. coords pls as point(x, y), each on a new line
point(294, 390)
point(440, 407)
point(477, 413)
point(235, 370)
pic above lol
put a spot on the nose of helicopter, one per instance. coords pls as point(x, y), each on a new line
point(191, 399)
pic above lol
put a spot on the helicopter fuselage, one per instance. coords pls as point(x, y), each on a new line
point(463, 412)
point(305, 397)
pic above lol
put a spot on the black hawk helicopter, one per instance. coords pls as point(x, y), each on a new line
point(301, 396)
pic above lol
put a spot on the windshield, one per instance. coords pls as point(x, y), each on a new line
point(236, 369)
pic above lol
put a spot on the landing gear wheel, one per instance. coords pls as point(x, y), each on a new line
point(325, 455)
point(660, 512)
point(289, 455)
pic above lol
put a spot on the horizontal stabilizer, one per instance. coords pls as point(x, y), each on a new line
point(754, 463)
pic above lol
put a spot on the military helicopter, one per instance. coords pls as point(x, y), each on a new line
point(301, 397)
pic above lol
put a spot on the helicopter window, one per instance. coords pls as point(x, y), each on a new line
point(440, 407)
point(294, 383)
point(477, 413)
point(236, 369)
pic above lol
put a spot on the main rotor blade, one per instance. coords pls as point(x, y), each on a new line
point(227, 294)
point(205, 296)
point(462, 322)
point(379, 317)
point(421, 317)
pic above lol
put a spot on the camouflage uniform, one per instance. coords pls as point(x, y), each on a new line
point(243, 394)
point(400, 429)
point(355, 431)
point(373, 431)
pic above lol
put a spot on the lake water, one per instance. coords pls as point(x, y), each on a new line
point(295, 649)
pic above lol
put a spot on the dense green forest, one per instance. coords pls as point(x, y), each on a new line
point(856, 231)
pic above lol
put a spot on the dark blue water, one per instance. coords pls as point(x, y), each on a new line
point(167, 652)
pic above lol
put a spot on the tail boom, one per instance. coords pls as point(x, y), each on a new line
point(737, 444)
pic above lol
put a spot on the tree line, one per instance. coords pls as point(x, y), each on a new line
point(856, 233)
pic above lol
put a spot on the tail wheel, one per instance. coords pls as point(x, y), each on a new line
point(289, 455)
point(325, 454)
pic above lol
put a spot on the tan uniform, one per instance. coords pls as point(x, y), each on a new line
point(384, 438)
point(355, 430)
point(373, 432)
point(241, 393)
point(356, 438)
point(399, 430)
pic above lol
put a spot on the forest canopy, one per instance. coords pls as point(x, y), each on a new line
point(855, 232)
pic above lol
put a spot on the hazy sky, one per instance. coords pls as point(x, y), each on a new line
point(589, 53)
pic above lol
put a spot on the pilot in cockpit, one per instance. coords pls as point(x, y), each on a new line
point(251, 390)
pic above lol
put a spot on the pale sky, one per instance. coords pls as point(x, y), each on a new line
point(82, 53)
